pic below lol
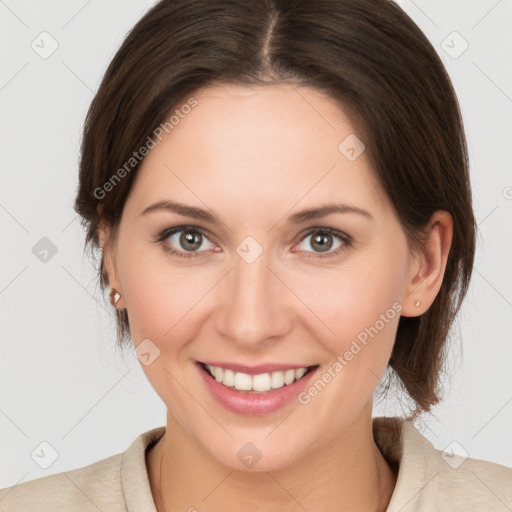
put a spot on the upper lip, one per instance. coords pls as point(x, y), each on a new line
point(255, 370)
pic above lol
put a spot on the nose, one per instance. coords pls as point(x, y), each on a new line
point(254, 307)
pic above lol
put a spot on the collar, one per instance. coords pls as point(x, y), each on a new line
point(397, 439)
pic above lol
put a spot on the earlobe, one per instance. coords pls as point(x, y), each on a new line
point(115, 296)
point(109, 268)
point(103, 235)
point(430, 265)
point(102, 232)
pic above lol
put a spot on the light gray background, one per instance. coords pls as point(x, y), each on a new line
point(61, 379)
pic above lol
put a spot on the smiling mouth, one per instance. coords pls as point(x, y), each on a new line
point(258, 383)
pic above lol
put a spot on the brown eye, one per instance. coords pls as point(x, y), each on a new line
point(324, 240)
point(190, 240)
point(321, 242)
point(185, 241)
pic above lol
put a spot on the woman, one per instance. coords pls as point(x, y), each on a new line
point(281, 195)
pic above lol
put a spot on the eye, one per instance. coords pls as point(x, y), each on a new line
point(323, 241)
point(188, 240)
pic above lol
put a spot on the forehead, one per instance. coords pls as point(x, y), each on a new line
point(265, 145)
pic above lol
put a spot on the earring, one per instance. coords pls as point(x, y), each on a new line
point(417, 303)
point(114, 297)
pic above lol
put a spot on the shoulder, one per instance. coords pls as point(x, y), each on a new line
point(115, 484)
point(93, 487)
point(464, 483)
point(430, 479)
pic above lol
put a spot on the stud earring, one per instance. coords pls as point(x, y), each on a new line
point(417, 303)
point(114, 297)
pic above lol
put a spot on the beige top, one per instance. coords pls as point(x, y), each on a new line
point(427, 479)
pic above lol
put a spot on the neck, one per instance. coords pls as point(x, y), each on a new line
point(348, 474)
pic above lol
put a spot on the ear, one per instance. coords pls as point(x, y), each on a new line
point(107, 244)
point(427, 270)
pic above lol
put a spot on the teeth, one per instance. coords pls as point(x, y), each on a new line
point(259, 383)
point(243, 381)
point(277, 380)
point(300, 373)
point(228, 378)
point(289, 376)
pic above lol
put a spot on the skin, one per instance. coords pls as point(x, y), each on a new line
point(254, 156)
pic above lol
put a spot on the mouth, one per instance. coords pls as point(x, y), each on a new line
point(256, 383)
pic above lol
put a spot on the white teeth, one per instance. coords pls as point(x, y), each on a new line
point(289, 376)
point(259, 383)
point(243, 381)
point(229, 378)
point(300, 373)
point(218, 373)
point(277, 380)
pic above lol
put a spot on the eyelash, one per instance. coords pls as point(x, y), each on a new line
point(166, 233)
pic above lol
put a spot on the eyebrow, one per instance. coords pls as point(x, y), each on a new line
point(298, 217)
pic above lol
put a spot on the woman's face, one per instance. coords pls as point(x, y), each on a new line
point(258, 286)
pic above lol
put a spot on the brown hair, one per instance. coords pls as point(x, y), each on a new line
point(367, 55)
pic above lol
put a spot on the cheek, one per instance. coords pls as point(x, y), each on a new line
point(164, 303)
point(168, 304)
point(158, 297)
point(360, 311)
point(357, 305)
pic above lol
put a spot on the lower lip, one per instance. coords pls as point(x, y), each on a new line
point(254, 403)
